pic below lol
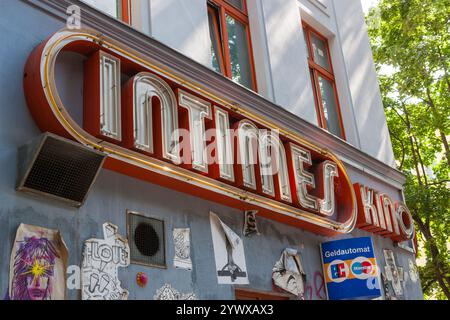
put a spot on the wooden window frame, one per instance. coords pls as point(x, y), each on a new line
point(224, 8)
point(126, 11)
point(317, 70)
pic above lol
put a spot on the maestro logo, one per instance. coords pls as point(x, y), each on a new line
point(338, 271)
point(362, 268)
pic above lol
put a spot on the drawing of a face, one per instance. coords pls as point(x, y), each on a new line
point(34, 269)
point(38, 280)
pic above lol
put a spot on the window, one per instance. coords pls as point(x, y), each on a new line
point(119, 9)
point(231, 48)
point(323, 82)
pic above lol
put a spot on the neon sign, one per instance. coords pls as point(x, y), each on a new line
point(226, 153)
point(380, 215)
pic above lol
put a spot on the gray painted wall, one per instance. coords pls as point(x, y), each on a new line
point(26, 27)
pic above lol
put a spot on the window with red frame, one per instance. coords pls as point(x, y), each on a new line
point(119, 9)
point(323, 82)
point(231, 48)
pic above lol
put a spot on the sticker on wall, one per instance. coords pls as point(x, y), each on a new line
point(181, 240)
point(141, 279)
point(392, 272)
point(288, 273)
point(38, 264)
point(229, 253)
point(250, 227)
point(101, 260)
point(167, 292)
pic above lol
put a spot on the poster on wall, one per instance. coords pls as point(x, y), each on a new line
point(181, 239)
point(228, 252)
point(350, 269)
point(392, 272)
point(37, 266)
point(288, 273)
point(101, 260)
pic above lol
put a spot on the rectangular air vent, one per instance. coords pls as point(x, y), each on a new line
point(58, 168)
point(146, 237)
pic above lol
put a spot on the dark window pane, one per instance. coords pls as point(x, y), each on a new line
point(236, 3)
point(239, 57)
point(320, 52)
point(330, 108)
point(216, 63)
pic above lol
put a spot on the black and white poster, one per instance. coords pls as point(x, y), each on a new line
point(392, 272)
point(229, 253)
point(182, 243)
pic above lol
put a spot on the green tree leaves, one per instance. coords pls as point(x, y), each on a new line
point(411, 46)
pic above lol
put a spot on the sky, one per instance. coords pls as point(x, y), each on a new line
point(367, 4)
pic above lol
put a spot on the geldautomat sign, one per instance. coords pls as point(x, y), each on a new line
point(350, 269)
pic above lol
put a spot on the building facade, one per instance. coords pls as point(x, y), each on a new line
point(110, 81)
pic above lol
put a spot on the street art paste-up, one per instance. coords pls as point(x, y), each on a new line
point(288, 273)
point(392, 272)
point(387, 292)
point(101, 260)
point(167, 292)
point(229, 253)
point(182, 242)
point(38, 264)
point(413, 273)
point(250, 227)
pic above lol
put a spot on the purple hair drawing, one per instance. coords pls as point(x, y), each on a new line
point(34, 269)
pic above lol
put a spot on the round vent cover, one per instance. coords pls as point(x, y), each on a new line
point(146, 239)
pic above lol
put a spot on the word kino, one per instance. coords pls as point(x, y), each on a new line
point(380, 215)
point(135, 124)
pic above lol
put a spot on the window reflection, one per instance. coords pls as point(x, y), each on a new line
point(320, 52)
point(213, 33)
point(239, 58)
point(230, 41)
point(236, 3)
point(330, 108)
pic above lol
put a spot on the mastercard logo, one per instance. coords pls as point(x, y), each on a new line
point(362, 268)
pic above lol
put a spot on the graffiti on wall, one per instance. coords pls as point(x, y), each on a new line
point(101, 260)
point(167, 292)
point(38, 264)
point(316, 289)
point(250, 227)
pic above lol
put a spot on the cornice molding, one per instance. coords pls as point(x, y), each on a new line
point(160, 54)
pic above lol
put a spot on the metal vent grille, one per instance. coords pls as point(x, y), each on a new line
point(147, 240)
point(59, 168)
